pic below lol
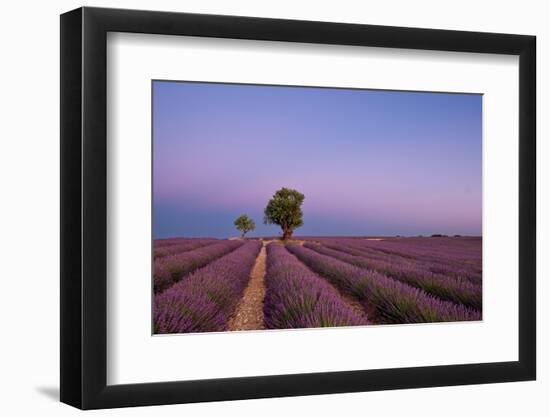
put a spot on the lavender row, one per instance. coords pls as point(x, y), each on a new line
point(171, 269)
point(170, 241)
point(457, 250)
point(394, 301)
point(183, 246)
point(439, 250)
point(161, 243)
point(420, 263)
point(207, 298)
point(298, 298)
point(435, 259)
point(446, 288)
point(433, 264)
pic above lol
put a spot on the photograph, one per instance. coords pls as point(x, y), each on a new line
point(278, 207)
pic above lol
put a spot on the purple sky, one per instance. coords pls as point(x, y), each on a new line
point(369, 162)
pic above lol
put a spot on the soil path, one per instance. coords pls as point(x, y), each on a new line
point(250, 311)
point(365, 314)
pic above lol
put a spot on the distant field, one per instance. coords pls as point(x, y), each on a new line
point(213, 285)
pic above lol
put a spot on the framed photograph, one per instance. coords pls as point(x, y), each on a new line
point(256, 208)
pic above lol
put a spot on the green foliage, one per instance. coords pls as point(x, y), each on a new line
point(244, 224)
point(285, 210)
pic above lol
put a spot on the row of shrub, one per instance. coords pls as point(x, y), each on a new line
point(442, 286)
point(298, 298)
point(205, 300)
point(394, 301)
point(171, 269)
point(180, 247)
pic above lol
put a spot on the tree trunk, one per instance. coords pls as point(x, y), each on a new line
point(242, 235)
point(287, 233)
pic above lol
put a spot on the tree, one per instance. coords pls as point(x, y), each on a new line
point(244, 224)
point(284, 209)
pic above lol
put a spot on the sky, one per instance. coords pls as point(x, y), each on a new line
point(369, 162)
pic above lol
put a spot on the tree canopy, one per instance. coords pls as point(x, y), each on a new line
point(244, 224)
point(285, 210)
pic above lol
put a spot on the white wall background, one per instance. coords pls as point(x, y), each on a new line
point(29, 225)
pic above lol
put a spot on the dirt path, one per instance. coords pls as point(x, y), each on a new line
point(249, 314)
point(250, 311)
point(356, 305)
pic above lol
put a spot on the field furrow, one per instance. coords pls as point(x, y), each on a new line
point(437, 265)
point(171, 269)
point(206, 299)
point(181, 247)
point(395, 301)
point(171, 241)
point(296, 297)
point(444, 287)
point(436, 251)
point(249, 314)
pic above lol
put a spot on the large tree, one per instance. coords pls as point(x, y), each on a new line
point(285, 210)
point(244, 224)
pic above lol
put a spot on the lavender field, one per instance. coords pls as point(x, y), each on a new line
point(215, 285)
point(314, 207)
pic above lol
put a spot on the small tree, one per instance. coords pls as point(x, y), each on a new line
point(244, 224)
point(285, 210)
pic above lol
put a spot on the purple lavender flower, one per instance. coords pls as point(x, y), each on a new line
point(447, 288)
point(183, 245)
point(298, 298)
point(394, 301)
point(170, 269)
point(207, 298)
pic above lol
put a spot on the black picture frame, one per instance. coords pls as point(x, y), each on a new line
point(84, 207)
